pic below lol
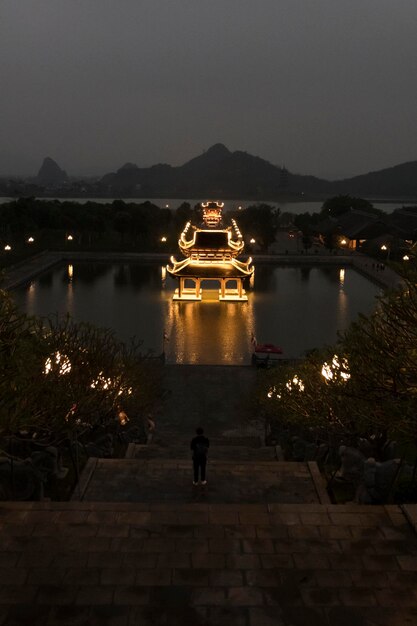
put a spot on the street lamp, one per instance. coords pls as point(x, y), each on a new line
point(406, 257)
point(386, 249)
point(31, 240)
point(252, 240)
point(70, 238)
point(163, 239)
point(7, 247)
point(343, 242)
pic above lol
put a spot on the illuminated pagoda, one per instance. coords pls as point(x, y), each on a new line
point(211, 252)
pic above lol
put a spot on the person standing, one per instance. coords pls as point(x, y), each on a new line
point(199, 446)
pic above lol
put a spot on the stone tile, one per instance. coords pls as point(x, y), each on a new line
point(56, 594)
point(25, 615)
point(348, 616)
point(118, 575)
point(335, 532)
point(316, 519)
point(209, 596)
point(191, 577)
point(192, 544)
point(241, 531)
point(345, 562)
point(114, 530)
point(407, 562)
point(266, 616)
point(303, 532)
point(358, 546)
point(9, 559)
point(225, 546)
point(77, 530)
point(104, 559)
point(13, 576)
point(225, 578)
point(95, 595)
point(224, 616)
point(82, 576)
point(263, 577)
point(280, 561)
point(208, 561)
point(130, 595)
point(373, 579)
point(177, 559)
point(395, 597)
point(330, 578)
point(153, 577)
point(242, 561)
point(258, 546)
point(321, 596)
point(35, 559)
point(278, 531)
point(209, 531)
point(357, 596)
point(311, 561)
point(109, 615)
point(46, 576)
point(304, 616)
point(174, 596)
point(136, 559)
point(245, 596)
point(380, 562)
point(136, 518)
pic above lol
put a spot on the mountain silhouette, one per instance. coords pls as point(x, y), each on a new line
point(50, 173)
point(218, 172)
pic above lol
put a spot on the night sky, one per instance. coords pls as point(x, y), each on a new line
point(326, 87)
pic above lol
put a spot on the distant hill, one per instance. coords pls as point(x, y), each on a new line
point(397, 181)
point(50, 173)
point(216, 172)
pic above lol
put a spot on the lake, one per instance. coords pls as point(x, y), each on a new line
point(173, 203)
point(295, 307)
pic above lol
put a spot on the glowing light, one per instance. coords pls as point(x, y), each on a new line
point(337, 370)
point(70, 238)
point(343, 242)
point(239, 208)
point(384, 247)
point(163, 272)
point(163, 239)
point(296, 384)
point(167, 206)
point(252, 240)
point(406, 257)
point(70, 271)
point(342, 276)
point(122, 417)
point(7, 247)
point(61, 361)
point(31, 240)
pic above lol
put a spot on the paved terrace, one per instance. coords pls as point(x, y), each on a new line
point(207, 565)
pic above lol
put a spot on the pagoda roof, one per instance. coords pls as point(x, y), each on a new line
point(216, 239)
point(211, 269)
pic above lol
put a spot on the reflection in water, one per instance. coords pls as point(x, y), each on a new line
point(297, 308)
point(70, 272)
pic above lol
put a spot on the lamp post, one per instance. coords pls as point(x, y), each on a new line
point(386, 249)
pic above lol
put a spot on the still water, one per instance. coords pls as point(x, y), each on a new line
point(297, 308)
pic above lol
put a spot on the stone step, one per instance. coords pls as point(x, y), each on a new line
point(200, 564)
point(232, 453)
point(133, 480)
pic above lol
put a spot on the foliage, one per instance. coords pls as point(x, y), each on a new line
point(371, 384)
point(340, 204)
point(57, 375)
point(260, 221)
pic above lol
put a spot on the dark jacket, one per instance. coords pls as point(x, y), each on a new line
point(200, 445)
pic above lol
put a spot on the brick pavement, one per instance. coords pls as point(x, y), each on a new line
point(206, 565)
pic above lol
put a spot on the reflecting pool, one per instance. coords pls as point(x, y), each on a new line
point(295, 307)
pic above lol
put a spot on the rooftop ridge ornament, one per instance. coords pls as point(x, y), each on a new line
point(211, 252)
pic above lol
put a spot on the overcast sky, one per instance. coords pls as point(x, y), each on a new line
point(326, 87)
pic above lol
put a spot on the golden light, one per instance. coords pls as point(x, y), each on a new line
point(163, 272)
point(384, 247)
point(252, 240)
point(338, 369)
point(342, 276)
point(60, 360)
point(167, 206)
point(31, 240)
point(163, 239)
point(7, 247)
point(239, 208)
point(70, 238)
point(70, 271)
point(406, 257)
point(295, 384)
point(343, 242)
point(122, 417)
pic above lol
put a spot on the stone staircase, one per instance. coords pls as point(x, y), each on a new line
point(240, 469)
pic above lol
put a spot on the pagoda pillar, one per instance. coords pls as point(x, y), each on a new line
point(222, 287)
point(239, 287)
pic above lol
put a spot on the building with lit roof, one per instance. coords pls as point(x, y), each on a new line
point(211, 252)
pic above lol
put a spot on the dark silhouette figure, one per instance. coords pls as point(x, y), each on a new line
point(199, 446)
